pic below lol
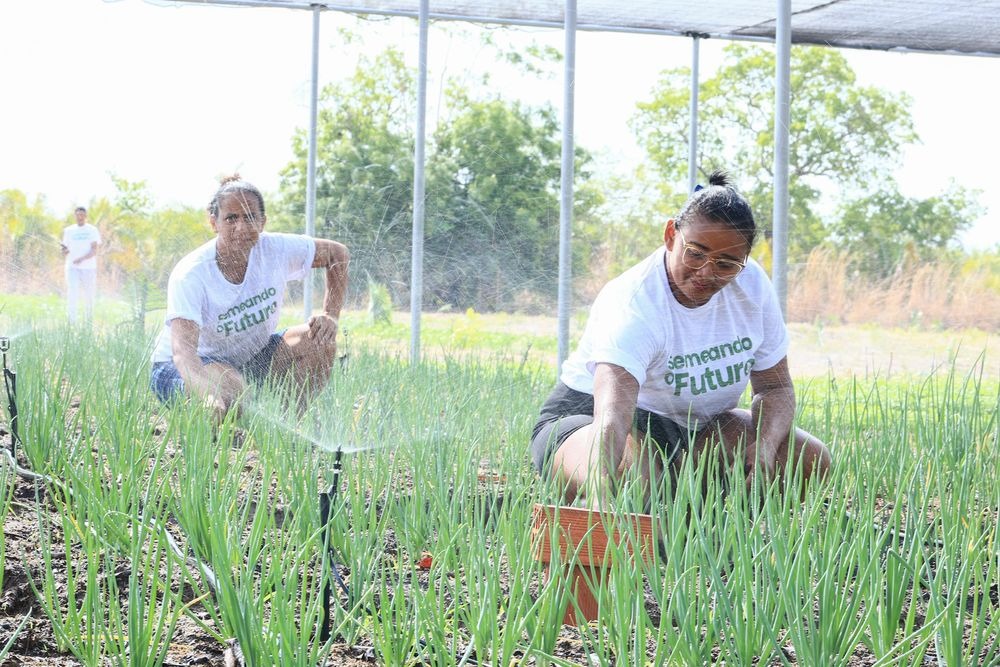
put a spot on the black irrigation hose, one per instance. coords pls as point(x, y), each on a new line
point(25, 473)
point(206, 572)
point(10, 457)
point(10, 385)
point(326, 500)
point(32, 476)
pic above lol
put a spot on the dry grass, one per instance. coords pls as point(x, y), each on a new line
point(932, 296)
point(823, 290)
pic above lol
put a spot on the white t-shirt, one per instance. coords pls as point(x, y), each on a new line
point(691, 363)
point(235, 321)
point(78, 239)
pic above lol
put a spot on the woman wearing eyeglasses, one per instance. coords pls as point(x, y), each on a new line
point(669, 348)
point(223, 304)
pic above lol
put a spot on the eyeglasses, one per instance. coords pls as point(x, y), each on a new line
point(695, 259)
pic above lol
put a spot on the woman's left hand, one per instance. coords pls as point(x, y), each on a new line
point(772, 408)
point(323, 329)
point(759, 459)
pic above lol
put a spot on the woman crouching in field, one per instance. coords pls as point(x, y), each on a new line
point(669, 347)
point(223, 304)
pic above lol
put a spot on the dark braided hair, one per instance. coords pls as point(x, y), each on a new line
point(719, 202)
point(232, 185)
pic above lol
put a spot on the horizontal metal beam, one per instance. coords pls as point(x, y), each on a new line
point(556, 25)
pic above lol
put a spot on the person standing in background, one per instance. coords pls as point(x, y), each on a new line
point(79, 245)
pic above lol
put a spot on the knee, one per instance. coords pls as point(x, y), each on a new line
point(728, 436)
point(317, 359)
point(812, 458)
point(324, 355)
point(821, 462)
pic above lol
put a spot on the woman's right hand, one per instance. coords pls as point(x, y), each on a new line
point(216, 404)
point(615, 396)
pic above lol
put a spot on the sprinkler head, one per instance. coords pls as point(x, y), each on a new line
point(4, 343)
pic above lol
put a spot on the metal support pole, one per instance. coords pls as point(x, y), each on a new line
point(693, 122)
point(782, 116)
point(311, 159)
point(417, 260)
point(566, 187)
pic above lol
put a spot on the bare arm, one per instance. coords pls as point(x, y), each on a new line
point(773, 411)
point(91, 253)
point(333, 257)
point(218, 384)
point(615, 395)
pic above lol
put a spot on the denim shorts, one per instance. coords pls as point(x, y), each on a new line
point(166, 381)
point(567, 410)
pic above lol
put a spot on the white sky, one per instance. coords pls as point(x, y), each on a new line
point(177, 96)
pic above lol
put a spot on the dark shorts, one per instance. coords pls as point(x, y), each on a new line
point(567, 410)
point(166, 381)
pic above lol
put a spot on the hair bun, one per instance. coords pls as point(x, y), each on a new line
point(719, 177)
point(230, 179)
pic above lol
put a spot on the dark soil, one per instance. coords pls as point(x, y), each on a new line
point(191, 645)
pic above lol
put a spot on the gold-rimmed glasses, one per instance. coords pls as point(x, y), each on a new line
point(695, 258)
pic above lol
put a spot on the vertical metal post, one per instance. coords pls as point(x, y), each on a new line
point(417, 259)
point(782, 116)
point(311, 158)
point(566, 187)
point(693, 122)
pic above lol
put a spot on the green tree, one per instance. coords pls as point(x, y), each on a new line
point(886, 233)
point(840, 132)
point(29, 242)
point(492, 207)
point(153, 240)
point(364, 170)
point(141, 244)
point(493, 204)
point(632, 216)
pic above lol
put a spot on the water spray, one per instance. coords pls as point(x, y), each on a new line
point(314, 436)
point(327, 502)
point(331, 556)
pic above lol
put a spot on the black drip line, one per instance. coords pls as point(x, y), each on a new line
point(327, 500)
point(10, 386)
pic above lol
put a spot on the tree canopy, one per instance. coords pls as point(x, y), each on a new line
point(493, 181)
point(492, 189)
point(842, 134)
point(886, 232)
point(140, 243)
point(364, 170)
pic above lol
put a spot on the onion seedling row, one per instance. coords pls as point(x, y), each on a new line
point(428, 557)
